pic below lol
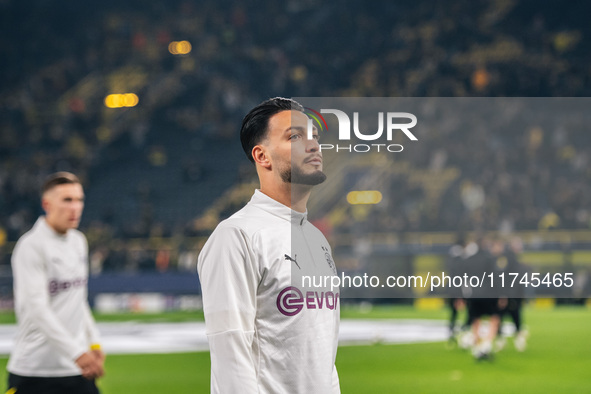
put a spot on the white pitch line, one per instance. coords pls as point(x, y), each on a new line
point(138, 338)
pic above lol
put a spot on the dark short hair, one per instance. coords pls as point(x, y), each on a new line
point(256, 123)
point(58, 178)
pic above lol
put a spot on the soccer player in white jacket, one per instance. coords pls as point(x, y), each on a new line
point(268, 333)
point(57, 345)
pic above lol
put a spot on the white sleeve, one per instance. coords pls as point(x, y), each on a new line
point(336, 387)
point(92, 332)
point(32, 292)
point(229, 281)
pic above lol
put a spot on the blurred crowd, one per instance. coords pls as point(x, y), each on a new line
point(62, 60)
point(513, 165)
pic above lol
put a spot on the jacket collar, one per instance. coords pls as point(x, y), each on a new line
point(43, 226)
point(274, 207)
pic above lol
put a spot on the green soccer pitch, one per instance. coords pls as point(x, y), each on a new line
point(557, 360)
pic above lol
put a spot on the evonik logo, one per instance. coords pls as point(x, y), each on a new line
point(291, 301)
point(390, 118)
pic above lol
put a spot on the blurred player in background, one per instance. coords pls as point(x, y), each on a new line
point(264, 336)
point(57, 345)
point(459, 255)
point(482, 303)
point(512, 306)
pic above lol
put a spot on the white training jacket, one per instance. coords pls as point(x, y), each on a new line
point(268, 334)
point(55, 325)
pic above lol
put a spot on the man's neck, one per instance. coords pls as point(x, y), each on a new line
point(58, 230)
point(293, 196)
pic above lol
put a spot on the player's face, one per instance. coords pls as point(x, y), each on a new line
point(63, 206)
point(296, 158)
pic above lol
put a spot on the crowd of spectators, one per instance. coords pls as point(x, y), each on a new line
point(515, 164)
point(62, 59)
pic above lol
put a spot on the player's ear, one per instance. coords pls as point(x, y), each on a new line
point(45, 203)
point(261, 156)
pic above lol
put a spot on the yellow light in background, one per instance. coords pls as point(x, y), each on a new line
point(364, 197)
point(184, 47)
point(130, 100)
point(121, 100)
point(112, 101)
point(179, 47)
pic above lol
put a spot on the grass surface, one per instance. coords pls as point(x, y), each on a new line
point(557, 360)
point(177, 316)
point(347, 312)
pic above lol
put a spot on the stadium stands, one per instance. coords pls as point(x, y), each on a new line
point(156, 169)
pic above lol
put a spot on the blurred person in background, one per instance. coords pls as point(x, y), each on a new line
point(482, 304)
point(513, 304)
point(264, 336)
point(458, 256)
point(57, 345)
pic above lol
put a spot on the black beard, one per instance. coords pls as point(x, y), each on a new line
point(296, 177)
